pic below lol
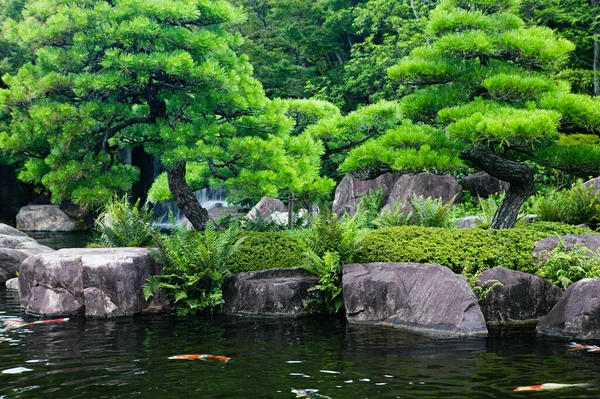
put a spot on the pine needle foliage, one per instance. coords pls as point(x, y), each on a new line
point(194, 267)
point(122, 224)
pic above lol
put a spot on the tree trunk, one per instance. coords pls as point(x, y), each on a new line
point(519, 175)
point(186, 200)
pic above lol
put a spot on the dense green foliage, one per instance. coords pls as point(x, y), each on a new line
point(260, 251)
point(577, 205)
point(122, 224)
point(462, 250)
point(564, 267)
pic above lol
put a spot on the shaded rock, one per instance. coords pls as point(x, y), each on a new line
point(12, 284)
point(594, 183)
point(577, 313)
point(7, 230)
point(423, 298)
point(102, 282)
point(426, 185)
point(44, 218)
point(265, 207)
point(349, 192)
point(10, 262)
point(273, 292)
point(544, 247)
point(482, 185)
point(523, 298)
point(468, 222)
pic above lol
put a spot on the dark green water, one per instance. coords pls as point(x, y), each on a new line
point(127, 358)
point(61, 239)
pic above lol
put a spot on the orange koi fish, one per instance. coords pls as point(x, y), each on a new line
point(548, 387)
point(574, 346)
point(201, 357)
point(20, 323)
point(63, 320)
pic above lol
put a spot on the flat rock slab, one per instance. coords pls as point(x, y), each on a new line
point(44, 218)
point(424, 184)
point(544, 247)
point(350, 191)
point(523, 298)
point(101, 282)
point(270, 293)
point(423, 298)
point(577, 313)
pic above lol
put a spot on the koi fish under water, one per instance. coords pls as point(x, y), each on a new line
point(201, 357)
point(11, 324)
point(574, 346)
point(549, 386)
point(308, 393)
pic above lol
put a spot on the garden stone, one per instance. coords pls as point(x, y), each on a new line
point(10, 262)
point(469, 222)
point(44, 218)
point(482, 185)
point(423, 298)
point(15, 247)
point(349, 193)
point(265, 207)
point(426, 185)
point(12, 284)
point(577, 313)
point(544, 247)
point(103, 282)
point(594, 183)
point(273, 292)
point(523, 298)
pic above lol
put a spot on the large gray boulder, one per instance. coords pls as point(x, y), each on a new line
point(523, 298)
point(44, 218)
point(265, 208)
point(349, 193)
point(482, 185)
point(577, 313)
point(469, 222)
point(273, 292)
point(15, 247)
point(426, 185)
point(429, 299)
point(102, 282)
point(594, 183)
point(544, 247)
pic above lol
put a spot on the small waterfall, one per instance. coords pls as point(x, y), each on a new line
point(209, 198)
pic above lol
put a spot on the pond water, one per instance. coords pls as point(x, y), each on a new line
point(128, 358)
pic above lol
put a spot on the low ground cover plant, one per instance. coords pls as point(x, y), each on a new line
point(566, 266)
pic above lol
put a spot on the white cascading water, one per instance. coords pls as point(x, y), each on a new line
point(208, 198)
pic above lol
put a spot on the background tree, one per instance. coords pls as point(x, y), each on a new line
point(484, 84)
point(161, 74)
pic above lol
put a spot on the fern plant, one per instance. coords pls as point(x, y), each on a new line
point(430, 212)
point(326, 297)
point(121, 224)
point(392, 217)
point(578, 205)
point(564, 266)
point(368, 208)
point(194, 267)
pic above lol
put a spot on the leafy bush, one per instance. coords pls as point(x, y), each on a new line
point(194, 266)
point(430, 212)
point(122, 224)
point(578, 205)
point(325, 297)
point(260, 251)
point(564, 267)
point(462, 250)
point(368, 208)
point(392, 217)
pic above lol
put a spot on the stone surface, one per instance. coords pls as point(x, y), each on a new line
point(265, 207)
point(10, 262)
point(12, 284)
point(468, 222)
point(101, 282)
point(429, 299)
point(577, 313)
point(595, 183)
point(273, 292)
point(544, 247)
point(426, 185)
point(349, 192)
point(44, 218)
point(523, 298)
point(482, 185)
point(15, 247)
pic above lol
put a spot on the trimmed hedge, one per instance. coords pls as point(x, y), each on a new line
point(461, 250)
point(260, 251)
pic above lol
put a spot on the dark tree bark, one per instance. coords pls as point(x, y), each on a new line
point(517, 174)
point(186, 200)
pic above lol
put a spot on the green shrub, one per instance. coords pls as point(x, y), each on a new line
point(463, 250)
point(430, 212)
point(368, 208)
point(392, 217)
point(564, 267)
point(194, 266)
point(578, 205)
point(325, 297)
point(122, 224)
point(260, 251)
